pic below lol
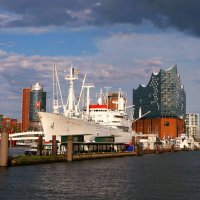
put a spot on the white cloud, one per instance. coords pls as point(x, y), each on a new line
point(8, 44)
point(6, 18)
point(81, 16)
point(123, 60)
point(28, 30)
point(3, 53)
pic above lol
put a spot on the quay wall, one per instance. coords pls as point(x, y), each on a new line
point(102, 155)
point(30, 160)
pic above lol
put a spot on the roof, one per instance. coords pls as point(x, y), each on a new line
point(93, 106)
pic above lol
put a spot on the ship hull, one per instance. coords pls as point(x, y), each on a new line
point(60, 125)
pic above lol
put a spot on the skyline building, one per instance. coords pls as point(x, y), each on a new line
point(164, 99)
point(25, 108)
point(192, 125)
point(164, 96)
point(37, 101)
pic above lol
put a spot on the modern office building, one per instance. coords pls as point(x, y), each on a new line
point(37, 101)
point(164, 96)
point(192, 125)
point(165, 100)
point(25, 108)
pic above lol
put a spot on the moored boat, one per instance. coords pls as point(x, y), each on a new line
point(93, 120)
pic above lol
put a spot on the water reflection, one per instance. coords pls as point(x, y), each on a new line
point(166, 176)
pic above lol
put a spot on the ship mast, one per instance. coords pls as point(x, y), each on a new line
point(81, 92)
point(56, 87)
point(70, 106)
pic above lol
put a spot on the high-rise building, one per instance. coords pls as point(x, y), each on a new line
point(164, 96)
point(192, 125)
point(165, 100)
point(25, 108)
point(37, 101)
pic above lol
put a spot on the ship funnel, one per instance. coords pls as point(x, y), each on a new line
point(121, 105)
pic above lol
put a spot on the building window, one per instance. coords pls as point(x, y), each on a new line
point(166, 123)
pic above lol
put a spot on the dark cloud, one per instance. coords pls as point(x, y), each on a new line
point(182, 14)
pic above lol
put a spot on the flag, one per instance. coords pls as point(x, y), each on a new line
point(76, 71)
point(37, 105)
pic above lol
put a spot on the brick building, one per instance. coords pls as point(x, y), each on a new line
point(163, 127)
point(10, 126)
point(25, 108)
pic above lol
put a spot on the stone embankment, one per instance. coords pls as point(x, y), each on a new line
point(30, 160)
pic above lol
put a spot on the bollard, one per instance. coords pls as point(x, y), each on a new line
point(69, 148)
point(134, 140)
point(139, 149)
point(4, 149)
point(54, 145)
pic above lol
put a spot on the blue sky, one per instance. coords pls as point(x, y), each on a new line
point(117, 43)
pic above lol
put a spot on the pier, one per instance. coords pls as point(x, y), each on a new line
point(73, 151)
point(37, 159)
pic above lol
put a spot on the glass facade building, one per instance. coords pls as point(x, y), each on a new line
point(37, 101)
point(164, 96)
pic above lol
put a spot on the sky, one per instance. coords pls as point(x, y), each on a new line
point(117, 43)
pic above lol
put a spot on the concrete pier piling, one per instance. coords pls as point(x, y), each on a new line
point(4, 149)
point(54, 145)
point(40, 145)
point(139, 149)
point(69, 148)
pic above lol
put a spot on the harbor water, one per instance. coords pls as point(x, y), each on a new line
point(165, 176)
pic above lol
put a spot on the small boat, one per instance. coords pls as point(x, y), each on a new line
point(32, 150)
point(24, 143)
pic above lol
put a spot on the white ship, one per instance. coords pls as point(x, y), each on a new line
point(93, 120)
